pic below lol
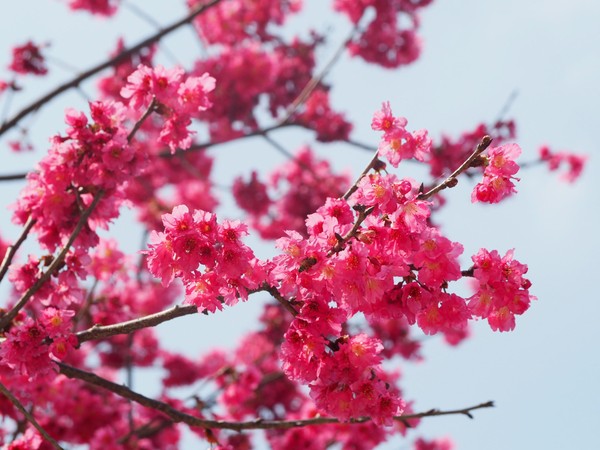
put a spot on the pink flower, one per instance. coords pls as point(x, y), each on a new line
point(24, 351)
point(139, 87)
point(319, 116)
point(100, 7)
point(251, 196)
point(28, 59)
point(502, 290)
point(437, 259)
point(192, 93)
point(574, 162)
point(498, 175)
point(397, 143)
point(435, 444)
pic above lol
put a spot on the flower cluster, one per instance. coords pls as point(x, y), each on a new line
point(191, 240)
point(100, 7)
point(30, 345)
point(355, 268)
point(397, 143)
point(250, 75)
point(498, 176)
point(390, 38)
point(554, 160)
point(434, 444)
point(318, 115)
point(28, 59)
point(449, 153)
point(93, 156)
point(502, 292)
point(179, 99)
point(344, 375)
point(235, 20)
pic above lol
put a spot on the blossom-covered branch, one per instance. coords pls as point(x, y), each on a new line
point(256, 424)
point(452, 179)
point(54, 266)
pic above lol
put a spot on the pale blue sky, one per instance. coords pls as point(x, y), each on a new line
point(544, 375)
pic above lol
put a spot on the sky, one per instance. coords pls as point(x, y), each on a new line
point(544, 375)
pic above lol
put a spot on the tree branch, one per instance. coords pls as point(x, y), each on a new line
point(280, 298)
point(105, 65)
point(451, 180)
point(102, 332)
point(257, 424)
point(12, 250)
point(10, 315)
point(9, 395)
point(374, 163)
point(14, 176)
point(152, 320)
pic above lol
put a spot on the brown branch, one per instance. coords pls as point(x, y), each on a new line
point(362, 215)
point(452, 179)
point(103, 332)
point(105, 65)
point(257, 424)
point(375, 162)
point(9, 395)
point(14, 176)
point(151, 108)
point(148, 430)
point(280, 298)
point(10, 315)
point(468, 272)
point(12, 250)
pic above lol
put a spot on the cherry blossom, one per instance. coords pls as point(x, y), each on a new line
point(28, 59)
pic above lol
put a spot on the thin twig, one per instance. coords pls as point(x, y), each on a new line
point(507, 104)
point(315, 80)
point(451, 180)
point(9, 395)
point(257, 424)
point(129, 381)
point(10, 315)
point(151, 108)
point(361, 145)
point(209, 144)
point(372, 164)
point(147, 430)
point(105, 65)
point(12, 250)
point(362, 215)
point(89, 299)
point(142, 14)
point(277, 146)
